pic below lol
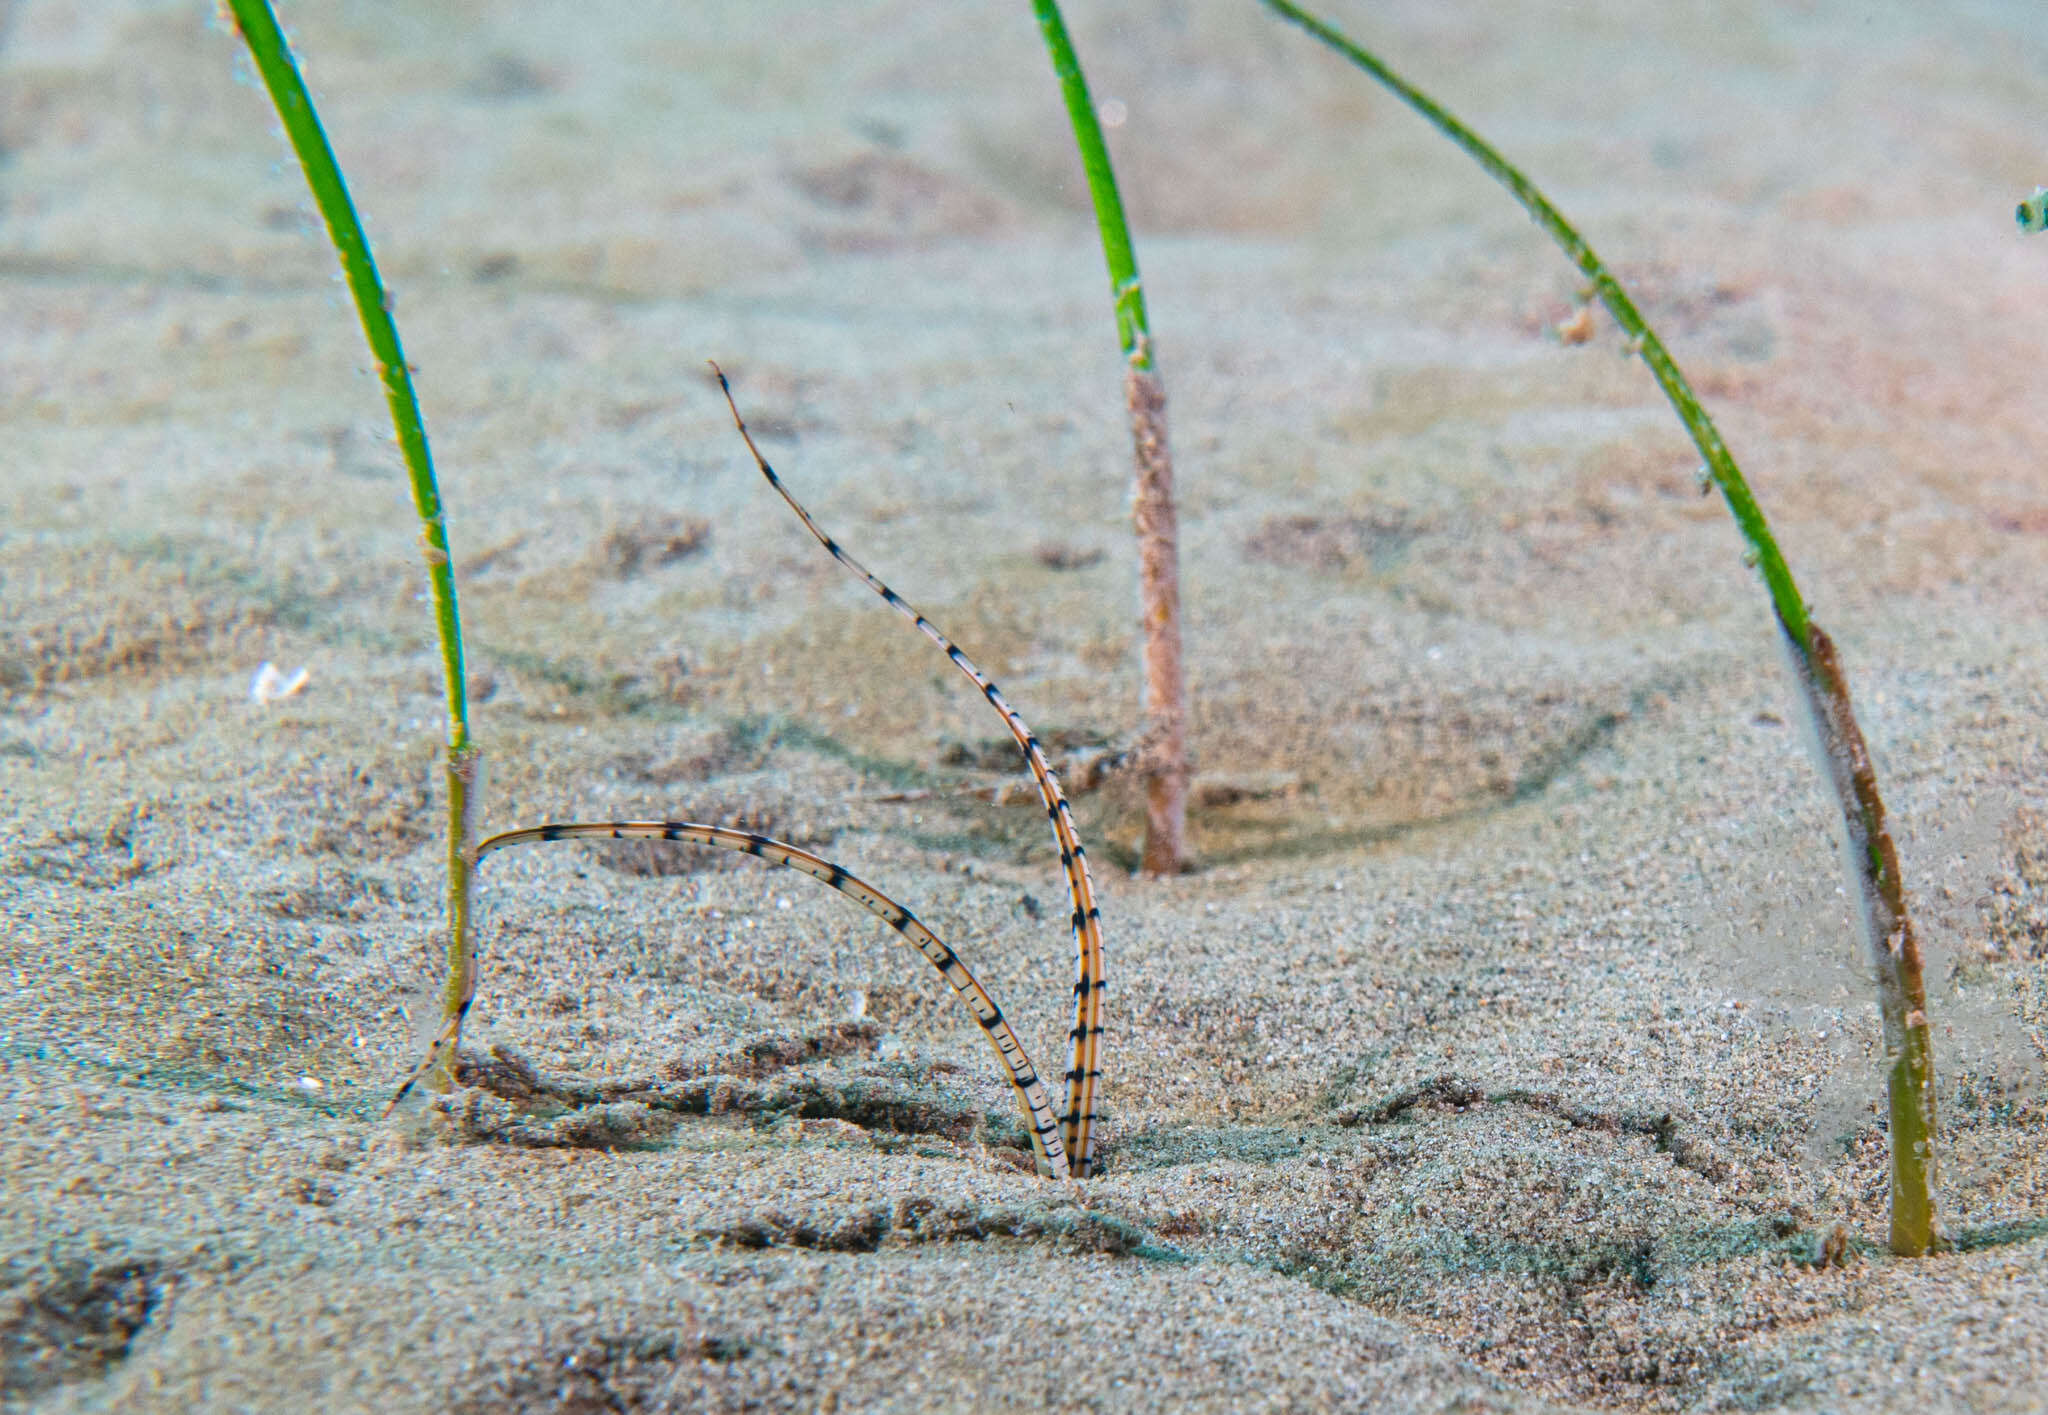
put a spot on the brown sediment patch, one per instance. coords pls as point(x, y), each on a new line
point(1413, 402)
point(341, 894)
point(1449, 1092)
point(1058, 555)
point(649, 540)
point(1348, 768)
point(792, 1076)
point(2018, 898)
point(661, 859)
point(1083, 760)
point(106, 858)
point(189, 980)
point(478, 1117)
point(70, 1321)
point(1546, 1242)
point(873, 201)
point(591, 1368)
point(1333, 544)
point(81, 612)
point(1068, 1227)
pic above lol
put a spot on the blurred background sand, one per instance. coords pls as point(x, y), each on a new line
point(1506, 1051)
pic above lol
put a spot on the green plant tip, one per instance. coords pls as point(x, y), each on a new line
point(272, 53)
point(1133, 331)
point(2033, 212)
point(257, 24)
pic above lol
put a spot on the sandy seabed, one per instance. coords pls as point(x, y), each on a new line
point(1507, 1050)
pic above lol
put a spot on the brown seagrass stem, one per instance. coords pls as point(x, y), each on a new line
point(1163, 751)
point(1163, 745)
point(1889, 938)
point(465, 798)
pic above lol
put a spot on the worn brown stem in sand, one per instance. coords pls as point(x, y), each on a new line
point(1163, 754)
point(1888, 935)
point(465, 794)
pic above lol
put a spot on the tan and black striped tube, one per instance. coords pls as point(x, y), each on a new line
point(1078, 1124)
point(1023, 1076)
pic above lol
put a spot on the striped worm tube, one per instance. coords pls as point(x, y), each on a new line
point(1039, 1118)
point(1078, 1125)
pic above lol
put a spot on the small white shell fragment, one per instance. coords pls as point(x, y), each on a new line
point(269, 685)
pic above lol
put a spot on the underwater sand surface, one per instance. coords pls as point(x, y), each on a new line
point(1508, 1050)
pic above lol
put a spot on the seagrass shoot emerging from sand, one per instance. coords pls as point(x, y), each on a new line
point(1871, 861)
point(1163, 742)
point(258, 27)
point(1063, 1144)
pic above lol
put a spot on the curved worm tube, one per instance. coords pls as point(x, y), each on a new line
point(1078, 1124)
point(1038, 1112)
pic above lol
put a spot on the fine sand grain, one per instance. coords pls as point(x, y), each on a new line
point(1507, 1051)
